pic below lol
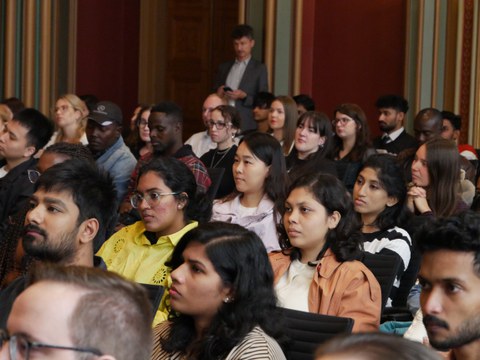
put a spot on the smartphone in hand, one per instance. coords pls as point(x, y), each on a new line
point(227, 88)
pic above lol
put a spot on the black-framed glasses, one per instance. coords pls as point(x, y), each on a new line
point(19, 346)
point(152, 198)
point(33, 175)
point(219, 125)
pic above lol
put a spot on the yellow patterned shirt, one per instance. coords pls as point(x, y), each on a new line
point(129, 253)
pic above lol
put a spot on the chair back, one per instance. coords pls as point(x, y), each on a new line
point(307, 330)
point(155, 294)
point(216, 175)
point(384, 268)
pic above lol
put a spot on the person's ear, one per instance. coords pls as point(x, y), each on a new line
point(333, 220)
point(321, 141)
point(182, 201)
point(88, 230)
point(391, 201)
point(29, 151)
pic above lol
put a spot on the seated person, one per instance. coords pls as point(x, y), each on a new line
point(261, 109)
point(169, 205)
point(260, 177)
point(77, 312)
point(379, 197)
point(313, 146)
point(222, 299)
point(304, 103)
point(316, 271)
point(223, 125)
point(451, 127)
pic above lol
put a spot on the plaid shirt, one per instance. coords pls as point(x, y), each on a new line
point(185, 155)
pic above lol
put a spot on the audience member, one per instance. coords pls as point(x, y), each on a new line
point(104, 133)
point(427, 125)
point(223, 126)
point(451, 127)
point(313, 146)
point(166, 123)
point(70, 114)
point(170, 205)
point(380, 198)
point(13, 261)
point(261, 109)
point(68, 217)
point(23, 136)
point(282, 121)
point(201, 141)
point(222, 299)
point(352, 145)
point(241, 79)
point(139, 139)
point(78, 312)
point(316, 270)
point(392, 111)
point(373, 346)
point(435, 180)
point(450, 279)
point(304, 103)
point(260, 180)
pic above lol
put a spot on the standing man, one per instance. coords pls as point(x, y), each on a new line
point(69, 214)
point(241, 79)
point(104, 134)
point(392, 110)
point(450, 280)
point(201, 142)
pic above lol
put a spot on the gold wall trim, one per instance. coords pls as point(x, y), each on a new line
point(28, 58)
point(297, 48)
point(46, 56)
point(270, 40)
point(418, 70)
point(436, 41)
point(10, 33)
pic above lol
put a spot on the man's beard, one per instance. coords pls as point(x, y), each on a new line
point(43, 249)
point(386, 128)
point(467, 332)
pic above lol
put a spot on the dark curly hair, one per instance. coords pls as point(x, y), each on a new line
point(392, 180)
point(179, 178)
point(240, 259)
point(346, 239)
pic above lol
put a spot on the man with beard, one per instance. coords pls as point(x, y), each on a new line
point(450, 279)
point(392, 110)
point(166, 125)
point(70, 211)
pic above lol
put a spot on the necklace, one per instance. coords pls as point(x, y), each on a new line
point(219, 152)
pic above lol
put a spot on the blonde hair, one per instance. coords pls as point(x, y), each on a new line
point(78, 105)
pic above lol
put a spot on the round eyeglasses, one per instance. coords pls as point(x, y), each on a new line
point(152, 198)
point(19, 346)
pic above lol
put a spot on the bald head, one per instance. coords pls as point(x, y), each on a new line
point(427, 125)
point(210, 103)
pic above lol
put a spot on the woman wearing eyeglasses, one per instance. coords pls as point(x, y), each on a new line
point(222, 127)
point(70, 114)
point(169, 205)
point(352, 143)
point(139, 139)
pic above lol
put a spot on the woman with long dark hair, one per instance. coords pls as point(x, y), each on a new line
point(380, 197)
point(317, 270)
point(222, 300)
point(260, 178)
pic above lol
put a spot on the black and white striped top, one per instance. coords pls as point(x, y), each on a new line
point(256, 345)
point(394, 241)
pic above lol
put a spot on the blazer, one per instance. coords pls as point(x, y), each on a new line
point(254, 80)
point(403, 142)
